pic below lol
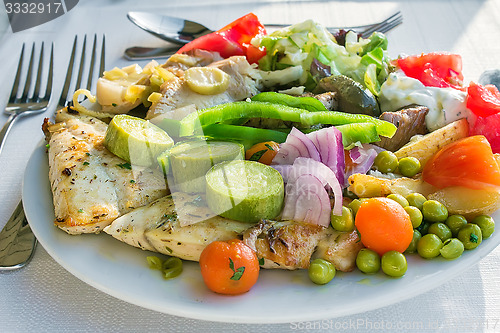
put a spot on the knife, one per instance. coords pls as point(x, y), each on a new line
point(171, 29)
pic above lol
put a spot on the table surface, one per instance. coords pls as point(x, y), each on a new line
point(44, 297)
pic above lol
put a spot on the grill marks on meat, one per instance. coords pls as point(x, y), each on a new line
point(290, 245)
point(89, 189)
point(409, 120)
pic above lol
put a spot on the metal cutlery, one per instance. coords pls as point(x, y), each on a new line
point(26, 103)
point(179, 32)
point(17, 241)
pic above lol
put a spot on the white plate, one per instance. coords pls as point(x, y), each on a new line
point(279, 296)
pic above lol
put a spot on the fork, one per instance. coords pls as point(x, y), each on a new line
point(26, 103)
point(364, 31)
point(17, 242)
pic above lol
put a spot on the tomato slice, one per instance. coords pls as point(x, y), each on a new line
point(468, 162)
point(215, 43)
point(437, 69)
point(490, 128)
point(232, 40)
point(484, 101)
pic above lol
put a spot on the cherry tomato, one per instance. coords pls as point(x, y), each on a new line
point(484, 101)
point(384, 225)
point(234, 39)
point(468, 162)
point(434, 69)
point(230, 267)
point(263, 152)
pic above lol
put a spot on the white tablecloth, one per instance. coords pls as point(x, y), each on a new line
point(44, 297)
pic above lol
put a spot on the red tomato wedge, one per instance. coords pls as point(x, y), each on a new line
point(215, 43)
point(490, 128)
point(484, 101)
point(468, 162)
point(232, 40)
point(443, 70)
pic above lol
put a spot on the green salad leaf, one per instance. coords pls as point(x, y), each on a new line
point(364, 60)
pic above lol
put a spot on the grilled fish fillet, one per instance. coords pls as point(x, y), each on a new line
point(91, 187)
point(171, 225)
point(179, 225)
point(244, 83)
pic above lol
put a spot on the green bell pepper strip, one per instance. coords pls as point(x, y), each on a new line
point(384, 128)
point(248, 136)
point(358, 132)
point(192, 123)
point(306, 103)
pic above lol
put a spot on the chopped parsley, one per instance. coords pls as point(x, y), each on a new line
point(125, 165)
point(86, 163)
point(132, 181)
point(257, 155)
point(237, 273)
point(80, 210)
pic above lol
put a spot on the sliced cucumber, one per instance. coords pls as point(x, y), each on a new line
point(136, 140)
point(245, 191)
point(190, 161)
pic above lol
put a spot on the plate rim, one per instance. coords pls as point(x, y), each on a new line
point(420, 286)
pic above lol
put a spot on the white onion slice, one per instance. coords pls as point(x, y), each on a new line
point(328, 141)
point(362, 158)
point(297, 144)
point(307, 200)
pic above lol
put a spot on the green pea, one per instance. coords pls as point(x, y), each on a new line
point(386, 161)
point(416, 200)
point(486, 223)
point(452, 249)
point(455, 223)
point(345, 222)
point(368, 261)
point(172, 267)
point(424, 227)
point(321, 271)
point(434, 211)
point(416, 216)
point(429, 246)
point(394, 263)
point(441, 230)
point(409, 166)
point(412, 248)
point(154, 262)
point(399, 199)
point(354, 205)
point(470, 235)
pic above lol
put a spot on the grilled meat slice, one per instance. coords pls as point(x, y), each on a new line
point(329, 99)
point(340, 248)
point(286, 245)
point(89, 187)
point(409, 120)
point(176, 93)
point(179, 225)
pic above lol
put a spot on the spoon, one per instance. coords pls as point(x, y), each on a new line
point(171, 29)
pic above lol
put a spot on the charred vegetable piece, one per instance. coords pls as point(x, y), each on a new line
point(352, 96)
